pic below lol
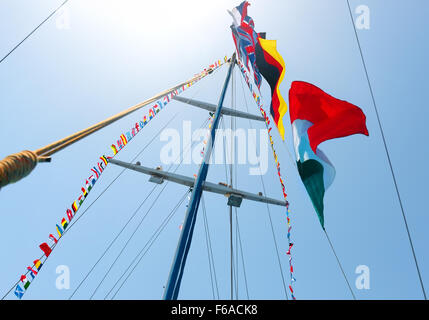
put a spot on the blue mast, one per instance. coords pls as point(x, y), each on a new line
point(174, 280)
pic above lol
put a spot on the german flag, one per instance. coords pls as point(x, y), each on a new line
point(272, 66)
point(74, 207)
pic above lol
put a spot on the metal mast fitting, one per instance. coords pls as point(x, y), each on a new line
point(234, 195)
point(212, 108)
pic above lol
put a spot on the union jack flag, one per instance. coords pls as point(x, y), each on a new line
point(245, 38)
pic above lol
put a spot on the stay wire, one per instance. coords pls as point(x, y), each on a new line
point(149, 243)
point(128, 240)
point(232, 273)
point(242, 259)
point(141, 257)
point(122, 171)
point(213, 277)
point(104, 190)
point(237, 264)
point(34, 30)
point(141, 221)
point(209, 258)
point(129, 220)
point(109, 246)
point(83, 213)
point(339, 264)
point(188, 147)
point(234, 106)
point(181, 154)
point(224, 149)
point(330, 243)
point(111, 243)
point(230, 207)
point(275, 241)
point(268, 208)
point(232, 172)
point(387, 152)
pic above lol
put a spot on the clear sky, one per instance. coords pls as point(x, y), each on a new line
point(115, 54)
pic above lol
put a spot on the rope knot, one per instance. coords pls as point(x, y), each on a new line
point(17, 166)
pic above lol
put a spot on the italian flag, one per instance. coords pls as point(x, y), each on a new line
point(315, 117)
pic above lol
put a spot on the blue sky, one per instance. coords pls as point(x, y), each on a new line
point(118, 53)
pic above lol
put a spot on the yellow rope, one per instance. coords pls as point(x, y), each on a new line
point(16, 166)
point(65, 142)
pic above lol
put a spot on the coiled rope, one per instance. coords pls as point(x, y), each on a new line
point(17, 166)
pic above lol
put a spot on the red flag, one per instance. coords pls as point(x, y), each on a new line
point(331, 117)
point(45, 248)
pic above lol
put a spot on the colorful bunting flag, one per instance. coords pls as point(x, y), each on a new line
point(64, 223)
point(46, 249)
point(32, 271)
point(97, 170)
point(59, 231)
point(37, 264)
point(25, 282)
point(267, 124)
point(74, 206)
point(19, 292)
point(52, 238)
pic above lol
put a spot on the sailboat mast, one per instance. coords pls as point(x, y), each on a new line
point(174, 280)
point(230, 183)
